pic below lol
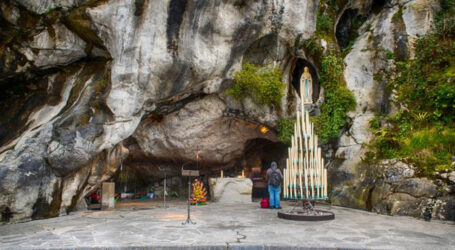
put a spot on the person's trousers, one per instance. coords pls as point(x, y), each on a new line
point(274, 196)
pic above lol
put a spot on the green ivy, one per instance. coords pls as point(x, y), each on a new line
point(338, 99)
point(286, 130)
point(324, 26)
point(262, 83)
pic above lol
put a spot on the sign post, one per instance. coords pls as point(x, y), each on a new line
point(165, 170)
point(189, 173)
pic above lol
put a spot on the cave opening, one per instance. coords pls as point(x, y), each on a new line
point(377, 6)
point(300, 64)
point(143, 183)
point(345, 28)
point(259, 154)
point(139, 181)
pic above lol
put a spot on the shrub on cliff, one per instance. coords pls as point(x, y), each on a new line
point(262, 84)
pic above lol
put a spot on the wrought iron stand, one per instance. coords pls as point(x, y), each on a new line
point(189, 173)
point(306, 213)
point(188, 218)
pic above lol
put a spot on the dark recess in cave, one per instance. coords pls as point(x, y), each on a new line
point(259, 154)
point(297, 72)
point(7, 214)
point(344, 29)
point(377, 6)
point(18, 100)
point(139, 7)
point(174, 19)
point(262, 50)
point(265, 151)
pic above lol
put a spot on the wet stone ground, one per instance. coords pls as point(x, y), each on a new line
point(225, 227)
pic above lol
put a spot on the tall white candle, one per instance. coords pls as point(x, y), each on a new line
point(292, 166)
point(312, 162)
point(300, 154)
point(307, 161)
point(285, 187)
point(295, 166)
point(289, 172)
point(319, 175)
point(325, 178)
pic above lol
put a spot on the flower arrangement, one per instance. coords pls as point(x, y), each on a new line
point(199, 196)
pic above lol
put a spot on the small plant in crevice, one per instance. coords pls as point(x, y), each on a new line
point(375, 122)
point(324, 26)
point(286, 130)
point(313, 47)
point(348, 48)
point(262, 84)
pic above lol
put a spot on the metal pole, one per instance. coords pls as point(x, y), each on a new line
point(189, 197)
point(164, 196)
point(188, 218)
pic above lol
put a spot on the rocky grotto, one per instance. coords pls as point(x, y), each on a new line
point(92, 86)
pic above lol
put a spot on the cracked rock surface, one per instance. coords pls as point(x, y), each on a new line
point(87, 82)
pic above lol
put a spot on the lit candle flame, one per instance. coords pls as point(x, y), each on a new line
point(263, 129)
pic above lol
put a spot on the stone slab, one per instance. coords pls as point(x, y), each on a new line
point(231, 190)
point(107, 195)
point(224, 226)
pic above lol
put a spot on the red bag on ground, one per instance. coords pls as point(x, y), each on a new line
point(265, 203)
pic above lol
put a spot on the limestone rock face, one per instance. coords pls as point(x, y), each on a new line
point(395, 171)
point(61, 48)
point(389, 187)
point(42, 6)
point(178, 47)
point(418, 187)
point(200, 124)
point(83, 76)
point(231, 190)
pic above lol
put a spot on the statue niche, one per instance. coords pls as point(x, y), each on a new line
point(306, 86)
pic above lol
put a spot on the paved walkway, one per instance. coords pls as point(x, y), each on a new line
point(223, 226)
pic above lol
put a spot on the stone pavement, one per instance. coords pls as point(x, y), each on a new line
point(225, 227)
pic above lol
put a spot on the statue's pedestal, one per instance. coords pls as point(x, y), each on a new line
point(231, 190)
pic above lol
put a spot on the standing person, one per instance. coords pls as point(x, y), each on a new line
point(274, 178)
point(259, 184)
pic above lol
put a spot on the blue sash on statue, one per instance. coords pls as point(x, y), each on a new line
point(307, 93)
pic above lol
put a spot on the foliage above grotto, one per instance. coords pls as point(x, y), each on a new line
point(262, 84)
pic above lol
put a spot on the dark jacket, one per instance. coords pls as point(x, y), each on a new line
point(273, 167)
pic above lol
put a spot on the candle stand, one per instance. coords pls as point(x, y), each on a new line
point(305, 175)
point(306, 212)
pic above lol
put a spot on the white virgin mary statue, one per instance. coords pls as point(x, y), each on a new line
point(306, 86)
